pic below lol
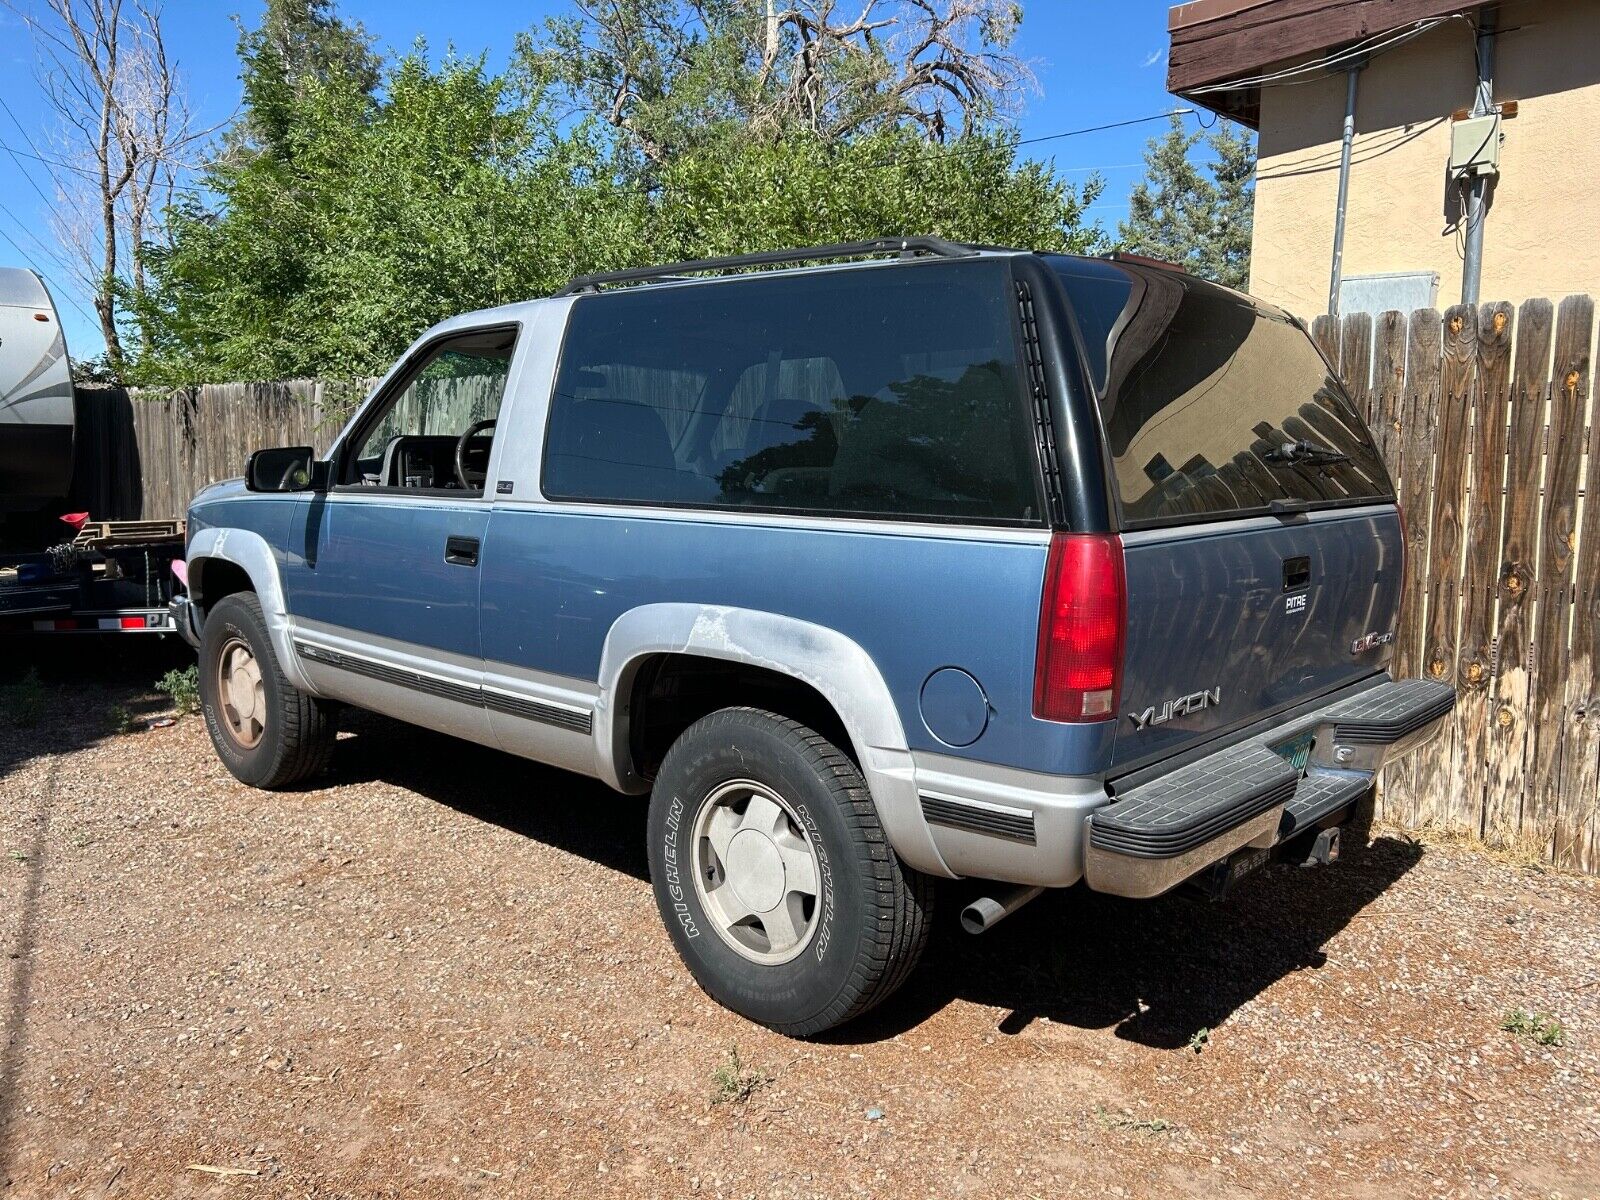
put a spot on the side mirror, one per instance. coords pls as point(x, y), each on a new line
point(285, 469)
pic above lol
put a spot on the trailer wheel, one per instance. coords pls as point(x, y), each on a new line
point(266, 731)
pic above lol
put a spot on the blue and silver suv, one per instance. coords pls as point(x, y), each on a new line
point(877, 565)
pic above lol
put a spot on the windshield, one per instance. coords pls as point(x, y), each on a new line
point(1212, 406)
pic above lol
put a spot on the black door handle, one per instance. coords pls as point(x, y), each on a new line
point(461, 551)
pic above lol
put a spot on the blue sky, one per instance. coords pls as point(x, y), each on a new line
point(1096, 64)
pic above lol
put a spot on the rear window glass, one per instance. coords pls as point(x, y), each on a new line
point(885, 391)
point(1200, 392)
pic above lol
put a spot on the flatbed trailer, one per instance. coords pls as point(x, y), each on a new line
point(111, 577)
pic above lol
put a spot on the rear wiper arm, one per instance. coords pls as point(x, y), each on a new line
point(1305, 452)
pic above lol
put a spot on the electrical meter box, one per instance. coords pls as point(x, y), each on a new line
point(1475, 146)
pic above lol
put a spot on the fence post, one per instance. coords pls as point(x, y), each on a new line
point(1577, 842)
point(1418, 418)
point(1560, 538)
point(1514, 683)
point(1475, 663)
point(1437, 772)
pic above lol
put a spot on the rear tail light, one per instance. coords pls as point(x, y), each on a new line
point(1082, 621)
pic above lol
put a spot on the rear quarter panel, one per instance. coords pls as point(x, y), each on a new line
point(555, 579)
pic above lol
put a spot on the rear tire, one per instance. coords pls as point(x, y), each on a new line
point(744, 801)
point(266, 731)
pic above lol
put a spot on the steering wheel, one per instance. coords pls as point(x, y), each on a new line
point(470, 480)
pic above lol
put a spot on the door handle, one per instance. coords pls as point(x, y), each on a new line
point(461, 551)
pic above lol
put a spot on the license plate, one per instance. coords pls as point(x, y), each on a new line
point(1298, 752)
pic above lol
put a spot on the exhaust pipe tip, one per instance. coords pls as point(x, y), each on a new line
point(984, 913)
point(980, 915)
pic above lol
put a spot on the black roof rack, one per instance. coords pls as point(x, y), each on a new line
point(905, 247)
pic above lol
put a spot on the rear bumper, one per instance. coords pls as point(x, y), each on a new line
point(1155, 836)
point(1168, 826)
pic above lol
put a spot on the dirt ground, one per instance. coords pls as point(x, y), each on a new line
point(439, 972)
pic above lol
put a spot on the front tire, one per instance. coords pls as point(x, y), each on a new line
point(266, 731)
point(774, 877)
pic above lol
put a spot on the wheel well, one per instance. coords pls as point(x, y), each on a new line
point(218, 578)
point(672, 691)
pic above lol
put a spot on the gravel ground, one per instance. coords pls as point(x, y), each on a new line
point(440, 973)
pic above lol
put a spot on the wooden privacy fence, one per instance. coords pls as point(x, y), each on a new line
point(143, 454)
point(195, 436)
point(1483, 417)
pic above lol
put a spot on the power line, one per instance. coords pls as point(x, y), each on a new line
point(48, 253)
point(951, 151)
point(1160, 116)
point(20, 169)
point(34, 238)
point(84, 171)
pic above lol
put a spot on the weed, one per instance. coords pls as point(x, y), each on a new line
point(734, 1081)
point(183, 687)
point(1200, 1039)
point(24, 700)
point(123, 721)
point(1540, 1026)
point(19, 856)
point(1127, 1121)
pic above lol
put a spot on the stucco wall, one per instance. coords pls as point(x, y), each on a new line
point(1542, 235)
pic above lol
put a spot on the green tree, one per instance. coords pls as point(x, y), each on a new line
point(735, 197)
point(363, 211)
point(454, 191)
point(1233, 171)
point(299, 44)
point(1197, 214)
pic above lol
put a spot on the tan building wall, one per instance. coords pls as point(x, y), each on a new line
point(1542, 235)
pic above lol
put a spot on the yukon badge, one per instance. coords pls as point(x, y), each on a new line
point(1182, 706)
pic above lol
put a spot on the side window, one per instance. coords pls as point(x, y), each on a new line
point(890, 391)
point(410, 439)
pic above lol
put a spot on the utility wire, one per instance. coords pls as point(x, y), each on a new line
point(45, 250)
point(20, 169)
point(1160, 116)
point(949, 151)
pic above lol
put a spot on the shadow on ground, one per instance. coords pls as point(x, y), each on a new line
point(555, 807)
point(1157, 972)
point(61, 692)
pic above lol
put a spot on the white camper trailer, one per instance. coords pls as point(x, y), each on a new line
point(35, 395)
point(62, 572)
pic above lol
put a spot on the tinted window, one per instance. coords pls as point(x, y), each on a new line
point(879, 391)
point(1199, 392)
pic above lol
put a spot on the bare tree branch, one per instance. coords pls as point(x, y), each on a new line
point(124, 128)
point(664, 70)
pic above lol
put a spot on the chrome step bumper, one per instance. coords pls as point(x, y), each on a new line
point(1160, 833)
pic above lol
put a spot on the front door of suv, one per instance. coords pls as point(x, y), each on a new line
point(385, 596)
